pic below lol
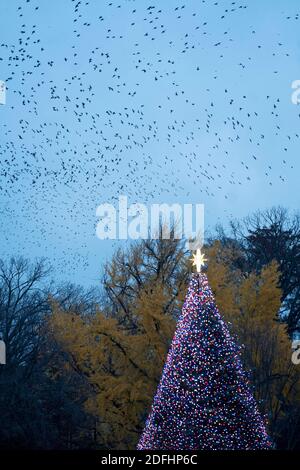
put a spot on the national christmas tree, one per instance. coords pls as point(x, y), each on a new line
point(204, 399)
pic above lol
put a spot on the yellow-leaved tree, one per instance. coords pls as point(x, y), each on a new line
point(121, 349)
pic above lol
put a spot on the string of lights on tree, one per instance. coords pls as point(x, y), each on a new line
point(204, 399)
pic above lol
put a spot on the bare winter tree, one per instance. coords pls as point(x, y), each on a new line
point(39, 406)
point(269, 235)
point(23, 304)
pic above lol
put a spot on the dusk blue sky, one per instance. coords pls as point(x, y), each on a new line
point(162, 104)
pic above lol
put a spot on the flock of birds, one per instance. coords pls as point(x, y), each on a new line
point(127, 97)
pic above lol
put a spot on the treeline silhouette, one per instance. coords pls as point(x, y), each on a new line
point(82, 365)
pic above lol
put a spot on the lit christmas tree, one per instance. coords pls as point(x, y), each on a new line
point(204, 400)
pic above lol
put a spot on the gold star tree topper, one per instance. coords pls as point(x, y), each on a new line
point(198, 260)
